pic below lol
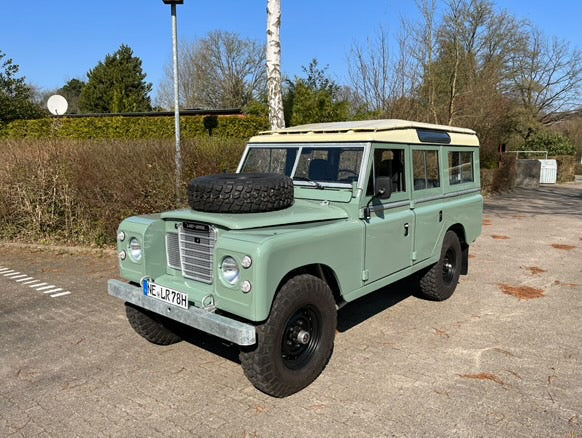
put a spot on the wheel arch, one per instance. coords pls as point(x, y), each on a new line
point(459, 230)
point(319, 270)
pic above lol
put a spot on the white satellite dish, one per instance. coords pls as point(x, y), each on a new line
point(57, 105)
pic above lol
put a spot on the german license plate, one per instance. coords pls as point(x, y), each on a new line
point(165, 294)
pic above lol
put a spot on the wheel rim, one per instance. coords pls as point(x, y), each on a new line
point(301, 337)
point(449, 266)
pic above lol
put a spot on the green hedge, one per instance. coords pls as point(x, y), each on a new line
point(134, 128)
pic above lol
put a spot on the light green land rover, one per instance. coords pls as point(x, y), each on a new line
point(315, 217)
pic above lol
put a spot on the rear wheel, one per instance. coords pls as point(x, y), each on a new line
point(440, 281)
point(151, 326)
point(295, 343)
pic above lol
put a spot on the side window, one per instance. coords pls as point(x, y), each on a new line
point(388, 163)
point(425, 166)
point(460, 167)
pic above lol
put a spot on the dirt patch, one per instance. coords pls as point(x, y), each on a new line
point(472, 256)
point(500, 237)
point(439, 332)
point(487, 222)
point(563, 247)
point(559, 283)
point(483, 376)
point(522, 292)
point(535, 270)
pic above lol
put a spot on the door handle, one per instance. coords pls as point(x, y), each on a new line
point(406, 229)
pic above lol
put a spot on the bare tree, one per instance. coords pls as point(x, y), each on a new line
point(274, 89)
point(547, 75)
point(219, 71)
point(369, 72)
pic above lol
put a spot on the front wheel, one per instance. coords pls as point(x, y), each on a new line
point(439, 282)
point(151, 326)
point(296, 342)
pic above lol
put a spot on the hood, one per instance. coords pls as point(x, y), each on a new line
point(301, 211)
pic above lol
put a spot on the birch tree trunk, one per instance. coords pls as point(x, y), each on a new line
point(274, 91)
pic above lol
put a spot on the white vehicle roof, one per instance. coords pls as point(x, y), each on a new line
point(387, 130)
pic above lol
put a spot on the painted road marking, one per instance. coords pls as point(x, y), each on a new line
point(61, 294)
point(37, 285)
point(45, 288)
point(32, 281)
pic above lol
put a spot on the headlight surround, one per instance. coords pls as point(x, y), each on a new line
point(135, 250)
point(229, 270)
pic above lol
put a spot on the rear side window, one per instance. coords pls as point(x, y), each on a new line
point(425, 169)
point(460, 167)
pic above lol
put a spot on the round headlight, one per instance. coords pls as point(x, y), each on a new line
point(135, 249)
point(229, 270)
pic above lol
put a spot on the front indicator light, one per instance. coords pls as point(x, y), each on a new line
point(122, 255)
point(246, 286)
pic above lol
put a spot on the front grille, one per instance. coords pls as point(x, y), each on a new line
point(192, 251)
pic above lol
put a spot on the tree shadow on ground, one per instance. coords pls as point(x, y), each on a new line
point(554, 200)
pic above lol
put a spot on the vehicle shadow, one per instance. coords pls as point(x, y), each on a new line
point(362, 309)
point(349, 316)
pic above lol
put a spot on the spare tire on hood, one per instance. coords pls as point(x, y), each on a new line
point(240, 192)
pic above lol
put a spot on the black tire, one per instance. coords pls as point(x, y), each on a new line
point(151, 326)
point(240, 193)
point(439, 282)
point(281, 364)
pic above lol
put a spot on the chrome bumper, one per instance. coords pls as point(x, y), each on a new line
point(217, 325)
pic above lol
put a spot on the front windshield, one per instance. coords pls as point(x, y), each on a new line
point(328, 165)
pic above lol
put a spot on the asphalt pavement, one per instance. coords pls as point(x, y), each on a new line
point(502, 357)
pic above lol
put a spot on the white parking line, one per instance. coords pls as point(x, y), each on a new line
point(45, 288)
point(34, 286)
point(31, 281)
point(61, 294)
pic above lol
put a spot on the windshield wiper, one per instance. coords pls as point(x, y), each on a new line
point(304, 178)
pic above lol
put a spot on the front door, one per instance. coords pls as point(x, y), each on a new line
point(389, 231)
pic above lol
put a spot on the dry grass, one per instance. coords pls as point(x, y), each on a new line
point(78, 191)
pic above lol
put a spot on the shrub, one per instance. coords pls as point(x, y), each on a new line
point(552, 142)
point(77, 192)
point(134, 128)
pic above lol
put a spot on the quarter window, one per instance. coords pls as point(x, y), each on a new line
point(460, 167)
point(425, 169)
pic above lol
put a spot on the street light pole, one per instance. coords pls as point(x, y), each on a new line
point(173, 4)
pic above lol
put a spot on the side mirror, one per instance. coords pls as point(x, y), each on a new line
point(383, 187)
point(383, 191)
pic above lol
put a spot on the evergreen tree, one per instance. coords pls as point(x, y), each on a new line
point(116, 85)
point(72, 92)
point(314, 99)
point(15, 95)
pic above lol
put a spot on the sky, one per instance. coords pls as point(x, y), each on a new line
point(58, 40)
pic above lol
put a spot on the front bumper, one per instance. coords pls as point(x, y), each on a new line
point(204, 320)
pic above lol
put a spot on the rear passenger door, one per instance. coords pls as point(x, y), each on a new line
point(427, 201)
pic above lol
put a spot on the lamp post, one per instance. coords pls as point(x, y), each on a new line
point(173, 4)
